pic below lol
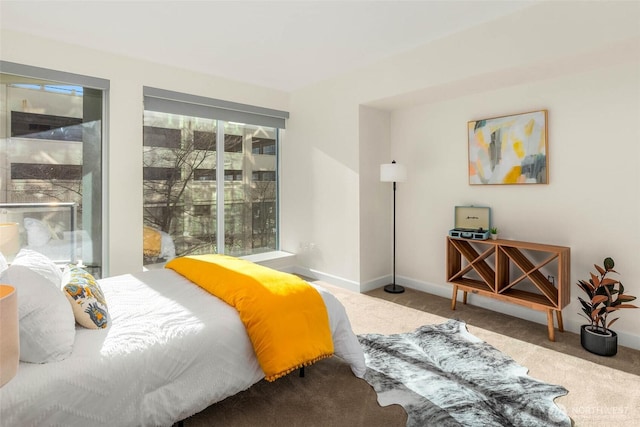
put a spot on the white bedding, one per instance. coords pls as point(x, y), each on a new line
point(171, 350)
point(63, 250)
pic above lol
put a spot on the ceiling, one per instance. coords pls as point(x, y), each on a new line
point(282, 45)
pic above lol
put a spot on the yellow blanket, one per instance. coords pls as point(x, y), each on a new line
point(284, 316)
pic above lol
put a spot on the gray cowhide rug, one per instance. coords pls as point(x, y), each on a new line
point(444, 376)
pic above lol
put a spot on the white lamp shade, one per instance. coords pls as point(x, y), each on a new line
point(9, 334)
point(393, 172)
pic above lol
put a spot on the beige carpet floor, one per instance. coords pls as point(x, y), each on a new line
point(602, 391)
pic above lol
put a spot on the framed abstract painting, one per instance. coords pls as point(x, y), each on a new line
point(509, 149)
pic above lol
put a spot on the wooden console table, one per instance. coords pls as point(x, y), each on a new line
point(484, 267)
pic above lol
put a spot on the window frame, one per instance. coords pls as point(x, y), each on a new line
point(86, 82)
point(224, 112)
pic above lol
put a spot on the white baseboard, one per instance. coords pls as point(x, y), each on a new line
point(446, 291)
point(278, 260)
point(375, 283)
point(334, 280)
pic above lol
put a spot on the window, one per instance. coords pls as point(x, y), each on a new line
point(263, 146)
point(233, 143)
point(264, 223)
point(51, 147)
point(161, 137)
point(211, 199)
point(204, 140)
point(160, 174)
point(46, 172)
point(264, 176)
point(45, 126)
point(202, 210)
point(204, 175)
point(232, 175)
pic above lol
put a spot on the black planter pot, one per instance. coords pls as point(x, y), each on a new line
point(598, 343)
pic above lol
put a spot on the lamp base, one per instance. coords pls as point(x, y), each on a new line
point(394, 289)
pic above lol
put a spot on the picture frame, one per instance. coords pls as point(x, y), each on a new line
point(509, 150)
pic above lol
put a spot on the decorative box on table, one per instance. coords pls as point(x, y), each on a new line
point(471, 222)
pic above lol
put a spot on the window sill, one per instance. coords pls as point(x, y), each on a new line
point(278, 260)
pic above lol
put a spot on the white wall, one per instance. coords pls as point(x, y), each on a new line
point(375, 215)
point(590, 203)
point(127, 76)
point(320, 185)
point(579, 60)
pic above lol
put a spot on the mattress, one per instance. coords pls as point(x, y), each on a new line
point(171, 350)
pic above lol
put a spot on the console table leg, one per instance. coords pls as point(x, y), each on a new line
point(550, 325)
point(454, 298)
point(559, 317)
point(464, 297)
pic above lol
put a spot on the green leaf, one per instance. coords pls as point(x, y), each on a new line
point(584, 303)
point(588, 319)
point(611, 290)
point(608, 263)
point(586, 287)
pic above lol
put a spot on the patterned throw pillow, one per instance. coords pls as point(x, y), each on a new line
point(86, 298)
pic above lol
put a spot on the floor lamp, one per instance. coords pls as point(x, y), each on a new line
point(393, 172)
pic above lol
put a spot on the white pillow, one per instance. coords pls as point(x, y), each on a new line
point(40, 264)
point(38, 233)
point(46, 322)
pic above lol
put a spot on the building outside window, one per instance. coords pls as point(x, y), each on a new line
point(51, 143)
point(206, 200)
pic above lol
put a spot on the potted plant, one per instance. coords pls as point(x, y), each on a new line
point(494, 233)
point(605, 295)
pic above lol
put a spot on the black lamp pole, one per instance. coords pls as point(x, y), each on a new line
point(393, 288)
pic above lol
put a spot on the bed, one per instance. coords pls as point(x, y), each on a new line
point(171, 349)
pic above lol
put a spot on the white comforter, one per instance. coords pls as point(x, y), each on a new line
point(171, 350)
